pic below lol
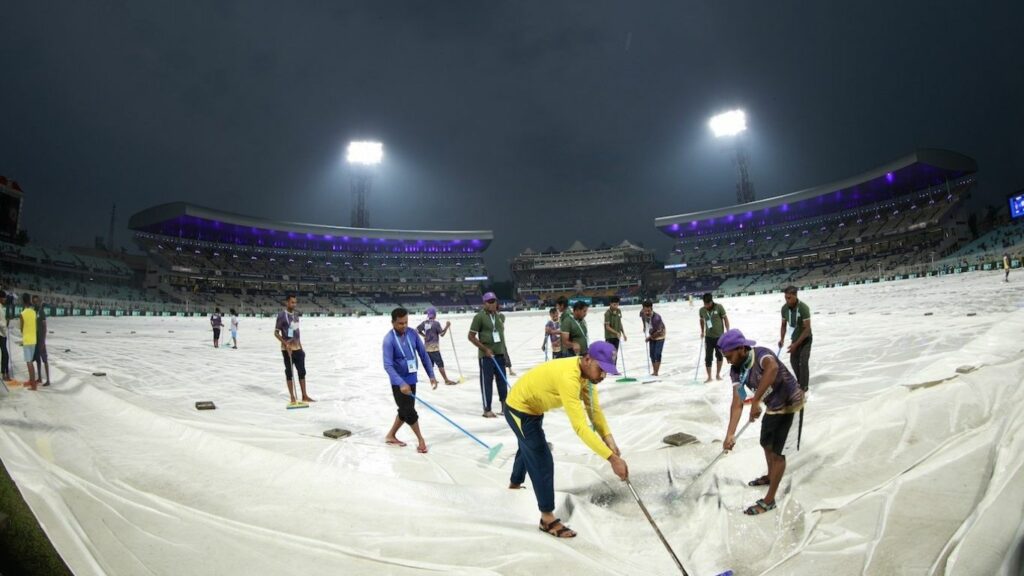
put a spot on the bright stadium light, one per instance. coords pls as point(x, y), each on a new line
point(366, 153)
point(728, 123)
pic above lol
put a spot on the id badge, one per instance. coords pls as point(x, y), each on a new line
point(707, 322)
point(291, 333)
point(410, 366)
point(495, 337)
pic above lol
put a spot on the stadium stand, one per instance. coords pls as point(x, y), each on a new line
point(580, 271)
point(895, 220)
point(212, 258)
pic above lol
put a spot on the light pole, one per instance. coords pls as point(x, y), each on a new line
point(732, 124)
point(363, 157)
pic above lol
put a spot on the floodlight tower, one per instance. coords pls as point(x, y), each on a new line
point(732, 124)
point(363, 157)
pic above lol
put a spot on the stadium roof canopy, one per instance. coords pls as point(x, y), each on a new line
point(915, 172)
point(188, 221)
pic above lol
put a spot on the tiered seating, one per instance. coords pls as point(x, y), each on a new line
point(598, 274)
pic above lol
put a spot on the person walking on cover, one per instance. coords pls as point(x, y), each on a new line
point(564, 314)
point(234, 328)
point(286, 330)
point(40, 358)
point(487, 333)
point(570, 383)
point(757, 372)
point(613, 323)
point(713, 323)
point(432, 332)
point(401, 349)
point(28, 338)
point(797, 315)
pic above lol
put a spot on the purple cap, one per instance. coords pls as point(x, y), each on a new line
point(732, 340)
point(431, 313)
point(489, 296)
point(604, 354)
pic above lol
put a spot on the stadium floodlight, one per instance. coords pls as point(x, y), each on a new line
point(366, 153)
point(728, 123)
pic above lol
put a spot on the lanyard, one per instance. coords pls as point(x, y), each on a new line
point(747, 367)
point(407, 341)
point(582, 329)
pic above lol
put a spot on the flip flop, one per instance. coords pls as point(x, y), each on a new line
point(398, 443)
point(762, 481)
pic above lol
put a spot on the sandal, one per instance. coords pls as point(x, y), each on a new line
point(762, 481)
point(759, 507)
point(553, 529)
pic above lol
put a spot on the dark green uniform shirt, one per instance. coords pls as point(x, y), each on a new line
point(795, 317)
point(614, 319)
point(577, 330)
point(490, 331)
point(714, 320)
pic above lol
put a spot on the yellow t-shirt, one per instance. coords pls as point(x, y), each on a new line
point(558, 384)
point(28, 328)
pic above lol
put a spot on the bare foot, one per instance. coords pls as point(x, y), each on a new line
point(489, 414)
point(395, 442)
point(450, 382)
point(719, 377)
point(709, 380)
point(422, 448)
point(307, 399)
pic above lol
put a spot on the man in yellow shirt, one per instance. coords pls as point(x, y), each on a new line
point(569, 383)
point(28, 337)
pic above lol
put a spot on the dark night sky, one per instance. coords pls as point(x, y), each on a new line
point(544, 121)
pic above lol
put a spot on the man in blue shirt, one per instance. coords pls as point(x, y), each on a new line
point(403, 353)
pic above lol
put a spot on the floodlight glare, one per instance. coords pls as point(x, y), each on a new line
point(368, 153)
point(728, 123)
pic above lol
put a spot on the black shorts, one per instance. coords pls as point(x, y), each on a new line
point(435, 358)
point(775, 432)
point(216, 333)
point(613, 342)
point(406, 405)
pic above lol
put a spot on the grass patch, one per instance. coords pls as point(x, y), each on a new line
point(24, 547)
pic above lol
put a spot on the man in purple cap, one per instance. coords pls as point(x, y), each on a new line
point(431, 332)
point(570, 383)
point(487, 333)
point(757, 370)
